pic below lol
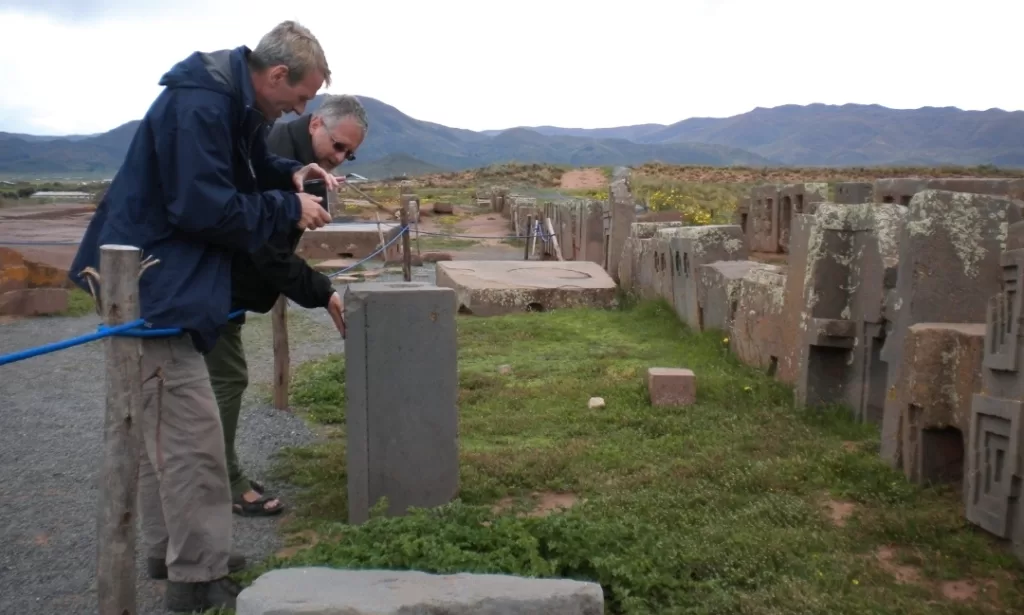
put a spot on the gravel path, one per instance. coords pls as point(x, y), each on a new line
point(51, 413)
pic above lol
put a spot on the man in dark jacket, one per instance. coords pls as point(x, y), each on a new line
point(326, 137)
point(198, 185)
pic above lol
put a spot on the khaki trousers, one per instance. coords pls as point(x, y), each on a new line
point(184, 498)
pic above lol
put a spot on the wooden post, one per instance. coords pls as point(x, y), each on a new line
point(115, 519)
point(406, 248)
point(529, 233)
point(554, 240)
point(282, 358)
point(417, 223)
point(380, 234)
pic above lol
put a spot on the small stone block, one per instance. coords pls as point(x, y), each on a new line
point(670, 386)
point(327, 591)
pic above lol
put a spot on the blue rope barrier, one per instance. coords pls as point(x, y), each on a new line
point(137, 328)
point(68, 343)
point(39, 243)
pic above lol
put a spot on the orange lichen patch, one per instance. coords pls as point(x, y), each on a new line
point(17, 272)
point(13, 272)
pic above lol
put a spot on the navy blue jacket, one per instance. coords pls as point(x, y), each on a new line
point(196, 185)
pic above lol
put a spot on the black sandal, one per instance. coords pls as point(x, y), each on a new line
point(245, 508)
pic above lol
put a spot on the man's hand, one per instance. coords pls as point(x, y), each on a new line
point(314, 171)
point(337, 311)
point(313, 216)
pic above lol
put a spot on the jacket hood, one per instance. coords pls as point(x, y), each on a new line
point(225, 71)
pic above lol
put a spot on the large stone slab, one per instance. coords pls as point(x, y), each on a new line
point(349, 240)
point(621, 214)
point(902, 189)
point(718, 292)
point(852, 193)
point(662, 273)
point(591, 226)
point(489, 288)
point(848, 256)
point(402, 390)
point(796, 199)
point(941, 373)
point(763, 223)
point(636, 263)
point(647, 250)
point(327, 591)
point(949, 267)
point(995, 458)
point(757, 336)
point(689, 249)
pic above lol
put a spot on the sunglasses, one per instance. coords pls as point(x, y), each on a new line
point(340, 147)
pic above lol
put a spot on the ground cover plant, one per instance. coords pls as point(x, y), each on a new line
point(740, 503)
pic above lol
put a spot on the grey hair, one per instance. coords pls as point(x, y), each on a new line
point(293, 46)
point(335, 107)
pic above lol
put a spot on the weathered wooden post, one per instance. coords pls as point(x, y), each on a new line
point(115, 519)
point(551, 237)
point(282, 358)
point(529, 234)
point(411, 204)
point(406, 248)
point(416, 218)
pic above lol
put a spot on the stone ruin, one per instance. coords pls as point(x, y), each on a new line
point(899, 299)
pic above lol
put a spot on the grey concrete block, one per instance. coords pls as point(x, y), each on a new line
point(402, 389)
point(327, 591)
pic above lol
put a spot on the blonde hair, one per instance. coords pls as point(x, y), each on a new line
point(292, 45)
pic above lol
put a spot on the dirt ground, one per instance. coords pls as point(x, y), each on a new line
point(63, 223)
point(584, 179)
point(21, 227)
point(487, 229)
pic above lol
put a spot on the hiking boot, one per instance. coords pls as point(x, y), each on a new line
point(198, 597)
point(157, 566)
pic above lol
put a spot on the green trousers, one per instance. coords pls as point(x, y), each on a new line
point(229, 377)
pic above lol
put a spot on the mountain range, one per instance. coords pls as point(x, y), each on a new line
point(789, 135)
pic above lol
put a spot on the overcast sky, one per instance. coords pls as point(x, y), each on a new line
point(88, 66)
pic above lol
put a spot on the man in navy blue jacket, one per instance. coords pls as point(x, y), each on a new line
point(198, 185)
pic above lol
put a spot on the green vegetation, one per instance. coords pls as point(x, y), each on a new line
point(740, 503)
point(18, 191)
point(700, 203)
point(80, 303)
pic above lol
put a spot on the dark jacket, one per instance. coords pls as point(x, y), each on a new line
point(257, 279)
point(197, 185)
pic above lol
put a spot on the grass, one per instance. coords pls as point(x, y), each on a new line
point(720, 507)
point(80, 303)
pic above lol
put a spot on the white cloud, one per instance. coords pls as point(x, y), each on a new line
point(89, 66)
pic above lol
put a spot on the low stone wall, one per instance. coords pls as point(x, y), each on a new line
point(899, 299)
